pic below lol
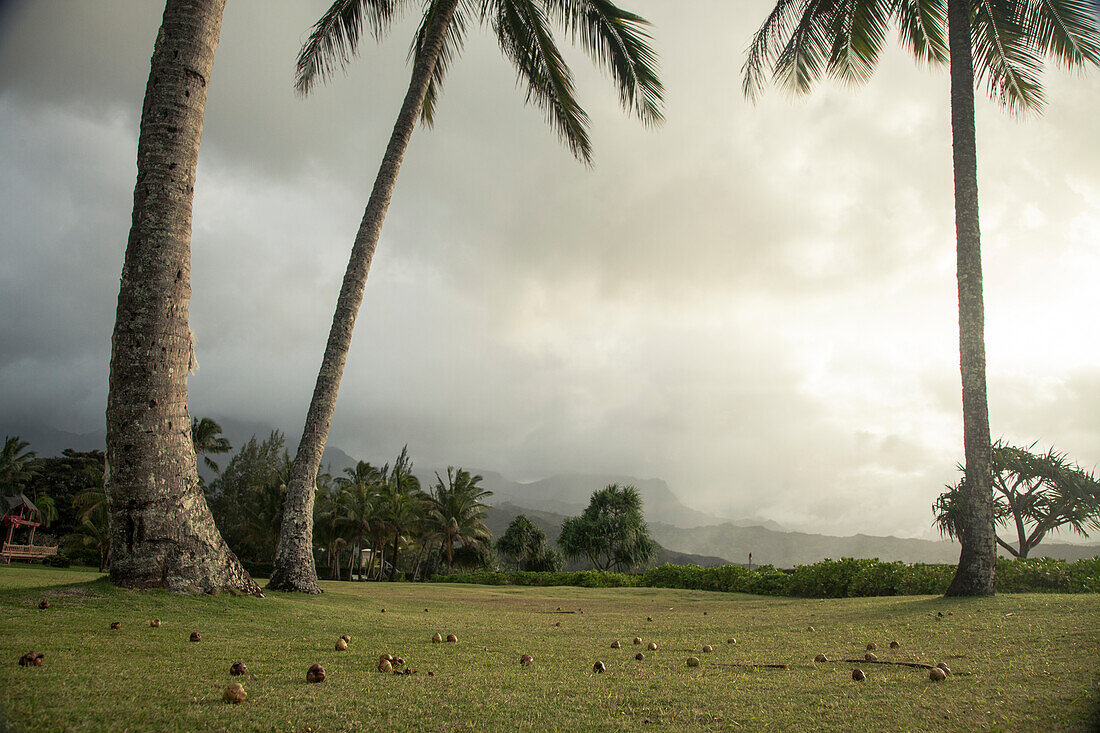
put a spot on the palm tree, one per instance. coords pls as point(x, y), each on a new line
point(16, 464)
point(616, 40)
point(1005, 43)
point(162, 533)
point(401, 504)
point(207, 440)
point(358, 500)
point(456, 512)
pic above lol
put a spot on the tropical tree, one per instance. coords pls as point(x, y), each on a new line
point(17, 465)
point(64, 477)
point(611, 532)
point(1003, 42)
point(615, 39)
point(207, 440)
point(1033, 494)
point(456, 512)
point(401, 504)
point(525, 544)
point(359, 501)
point(162, 533)
point(328, 529)
point(92, 532)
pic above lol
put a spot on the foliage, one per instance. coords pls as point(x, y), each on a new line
point(1033, 494)
point(64, 478)
point(524, 544)
point(611, 532)
point(16, 465)
point(207, 439)
point(247, 498)
point(456, 513)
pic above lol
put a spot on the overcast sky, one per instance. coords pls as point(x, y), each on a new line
point(755, 303)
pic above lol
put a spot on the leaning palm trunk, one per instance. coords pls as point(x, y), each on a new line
point(294, 569)
point(978, 558)
point(161, 531)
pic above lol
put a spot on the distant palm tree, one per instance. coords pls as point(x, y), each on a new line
point(92, 533)
point(359, 500)
point(401, 504)
point(16, 465)
point(1005, 42)
point(456, 512)
point(615, 39)
point(207, 438)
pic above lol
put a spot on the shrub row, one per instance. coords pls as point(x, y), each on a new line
point(847, 578)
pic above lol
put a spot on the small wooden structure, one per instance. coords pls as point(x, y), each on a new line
point(20, 512)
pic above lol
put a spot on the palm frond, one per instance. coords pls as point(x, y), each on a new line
point(452, 47)
point(922, 28)
point(335, 38)
point(618, 41)
point(807, 53)
point(524, 36)
point(765, 45)
point(1067, 30)
point(859, 33)
point(1003, 57)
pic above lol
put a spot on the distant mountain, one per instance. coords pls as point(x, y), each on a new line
point(47, 442)
point(500, 516)
point(568, 494)
point(787, 549)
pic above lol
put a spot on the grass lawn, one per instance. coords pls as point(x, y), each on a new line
point(1019, 662)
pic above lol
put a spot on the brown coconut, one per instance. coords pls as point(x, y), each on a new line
point(937, 675)
point(116, 625)
point(341, 645)
point(238, 669)
point(693, 661)
point(384, 666)
point(315, 674)
point(526, 660)
point(383, 657)
point(652, 646)
point(346, 638)
point(155, 623)
point(44, 604)
point(639, 656)
point(943, 667)
point(599, 668)
point(821, 658)
point(707, 649)
point(871, 646)
point(731, 641)
point(870, 657)
point(894, 645)
point(437, 638)
point(858, 675)
point(637, 641)
point(452, 639)
point(616, 645)
point(397, 662)
point(196, 636)
point(235, 694)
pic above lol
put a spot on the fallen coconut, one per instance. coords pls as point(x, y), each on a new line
point(707, 649)
point(648, 618)
point(155, 623)
point(693, 661)
point(451, 639)
point(341, 645)
point(944, 667)
point(235, 694)
point(238, 669)
point(315, 674)
point(196, 636)
point(639, 656)
point(894, 645)
point(731, 641)
point(116, 625)
point(31, 659)
point(652, 646)
point(810, 628)
point(384, 666)
point(383, 610)
point(870, 657)
point(937, 675)
point(383, 657)
point(599, 668)
point(346, 638)
point(437, 638)
point(397, 662)
point(871, 646)
point(858, 675)
point(637, 640)
point(821, 658)
point(44, 604)
point(616, 645)
point(526, 660)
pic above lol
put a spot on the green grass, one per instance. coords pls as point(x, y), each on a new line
point(1020, 662)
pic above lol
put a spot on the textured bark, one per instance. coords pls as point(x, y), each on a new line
point(162, 534)
point(294, 567)
point(978, 559)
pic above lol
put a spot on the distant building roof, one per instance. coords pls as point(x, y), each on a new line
point(11, 503)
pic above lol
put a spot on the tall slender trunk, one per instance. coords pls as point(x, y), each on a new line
point(294, 569)
point(978, 559)
point(162, 533)
point(393, 564)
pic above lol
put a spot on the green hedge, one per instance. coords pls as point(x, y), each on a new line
point(846, 578)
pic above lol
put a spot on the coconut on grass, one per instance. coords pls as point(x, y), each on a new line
point(616, 645)
point(346, 638)
point(937, 675)
point(44, 604)
point(707, 649)
point(341, 645)
point(652, 646)
point(871, 646)
point(639, 656)
point(894, 645)
point(858, 675)
point(693, 661)
point(637, 640)
point(155, 623)
point(196, 636)
point(599, 668)
point(437, 638)
point(821, 658)
point(943, 667)
point(315, 674)
point(235, 694)
point(385, 666)
point(116, 625)
point(452, 639)
point(31, 659)
point(238, 669)
point(526, 660)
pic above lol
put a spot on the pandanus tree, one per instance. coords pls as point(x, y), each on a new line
point(617, 41)
point(162, 533)
point(456, 513)
point(1004, 43)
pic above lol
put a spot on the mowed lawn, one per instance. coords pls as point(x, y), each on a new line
point(1019, 662)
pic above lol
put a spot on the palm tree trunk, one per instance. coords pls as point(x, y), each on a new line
point(294, 569)
point(162, 533)
point(393, 565)
point(978, 559)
